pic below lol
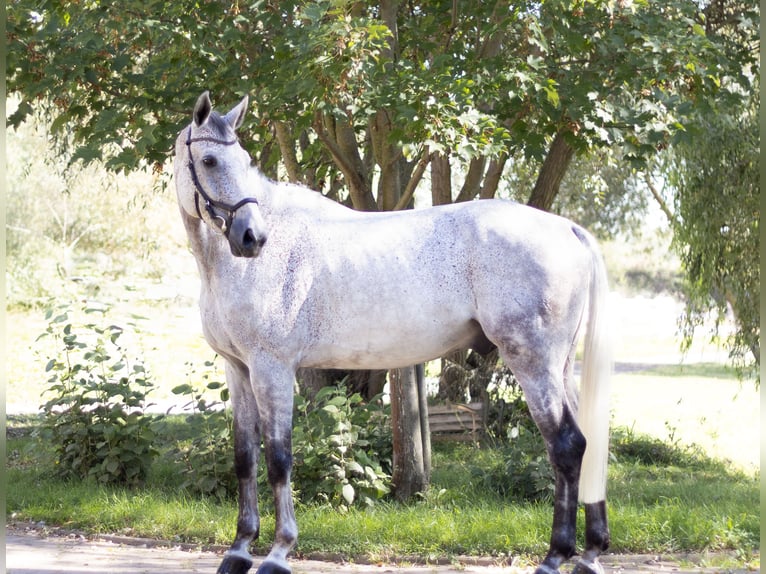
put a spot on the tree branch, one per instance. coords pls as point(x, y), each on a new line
point(662, 203)
point(348, 161)
point(414, 180)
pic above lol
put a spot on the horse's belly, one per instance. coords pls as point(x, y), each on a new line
point(379, 345)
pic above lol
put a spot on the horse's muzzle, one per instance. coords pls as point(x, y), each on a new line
point(245, 240)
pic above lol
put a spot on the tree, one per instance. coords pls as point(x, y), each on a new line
point(716, 223)
point(359, 99)
point(370, 94)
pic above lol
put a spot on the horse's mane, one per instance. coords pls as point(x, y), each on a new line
point(279, 196)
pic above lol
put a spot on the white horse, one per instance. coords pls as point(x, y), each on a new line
point(291, 279)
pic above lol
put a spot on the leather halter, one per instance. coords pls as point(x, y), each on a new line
point(211, 204)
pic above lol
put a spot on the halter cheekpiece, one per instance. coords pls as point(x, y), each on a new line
point(211, 204)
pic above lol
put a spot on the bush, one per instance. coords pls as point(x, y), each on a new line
point(342, 449)
point(526, 472)
point(207, 459)
point(95, 419)
point(523, 472)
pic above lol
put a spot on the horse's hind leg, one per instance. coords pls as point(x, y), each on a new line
point(551, 410)
point(596, 539)
point(247, 445)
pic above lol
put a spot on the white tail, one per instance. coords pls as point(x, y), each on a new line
point(593, 411)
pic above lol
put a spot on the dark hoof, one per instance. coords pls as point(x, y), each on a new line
point(545, 569)
point(272, 568)
point(588, 567)
point(234, 565)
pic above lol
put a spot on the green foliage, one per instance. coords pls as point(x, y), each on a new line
point(207, 457)
point(628, 446)
point(341, 446)
point(689, 504)
point(342, 449)
point(477, 81)
point(95, 418)
point(523, 472)
point(716, 228)
point(61, 223)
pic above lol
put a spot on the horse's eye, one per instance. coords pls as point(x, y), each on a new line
point(209, 161)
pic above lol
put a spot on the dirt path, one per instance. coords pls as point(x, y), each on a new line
point(34, 552)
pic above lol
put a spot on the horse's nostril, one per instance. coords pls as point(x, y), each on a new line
point(251, 240)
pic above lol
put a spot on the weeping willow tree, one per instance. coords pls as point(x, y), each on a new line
point(716, 229)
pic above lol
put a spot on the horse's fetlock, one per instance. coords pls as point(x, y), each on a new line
point(287, 536)
point(596, 527)
point(248, 529)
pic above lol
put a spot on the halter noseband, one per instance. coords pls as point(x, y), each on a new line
point(211, 204)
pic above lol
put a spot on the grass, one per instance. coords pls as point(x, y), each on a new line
point(663, 498)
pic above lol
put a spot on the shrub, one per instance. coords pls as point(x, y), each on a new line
point(526, 472)
point(342, 449)
point(207, 459)
point(95, 419)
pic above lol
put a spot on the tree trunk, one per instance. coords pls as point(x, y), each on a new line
point(287, 149)
point(492, 178)
point(472, 184)
point(368, 383)
point(552, 172)
point(441, 180)
point(412, 456)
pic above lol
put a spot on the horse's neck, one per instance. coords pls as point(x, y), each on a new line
point(203, 242)
point(283, 199)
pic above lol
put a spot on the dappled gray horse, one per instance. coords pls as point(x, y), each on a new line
point(291, 279)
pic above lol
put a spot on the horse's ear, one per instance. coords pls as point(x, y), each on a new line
point(237, 114)
point(202, 108)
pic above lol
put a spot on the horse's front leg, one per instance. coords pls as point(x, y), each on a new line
point(274, 386)
point(247, 447)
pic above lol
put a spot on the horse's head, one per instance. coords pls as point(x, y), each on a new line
point(212, 173)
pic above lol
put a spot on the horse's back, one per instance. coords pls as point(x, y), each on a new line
point(391, 289)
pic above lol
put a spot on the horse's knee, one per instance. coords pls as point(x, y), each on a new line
point(279, 462)
point(244, 462)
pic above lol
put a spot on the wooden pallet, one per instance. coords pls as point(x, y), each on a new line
point(456, 422)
